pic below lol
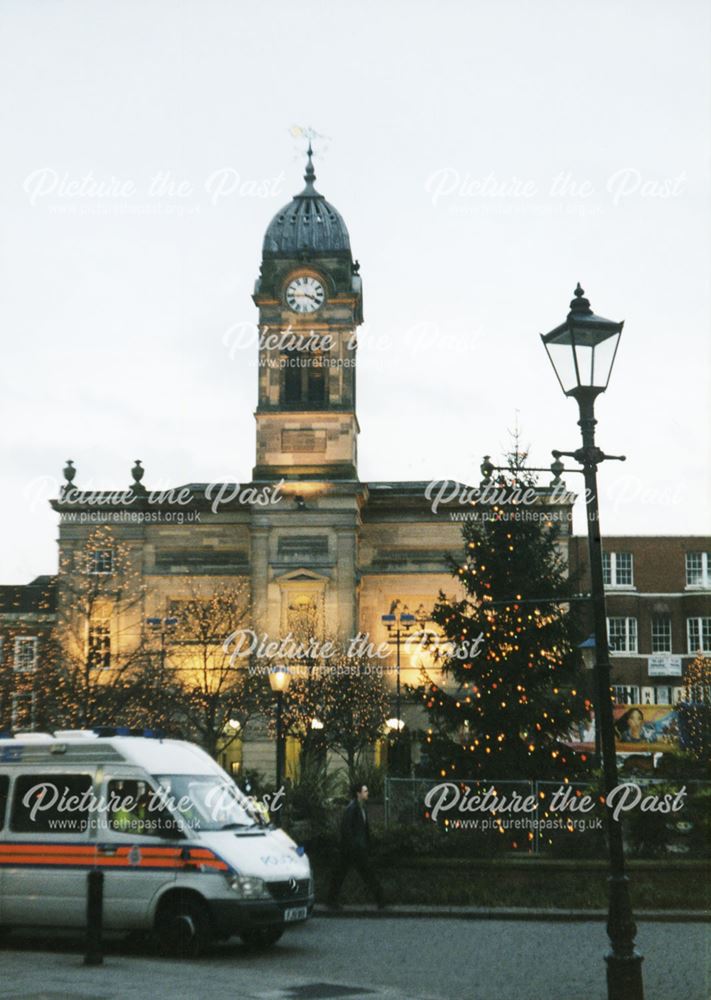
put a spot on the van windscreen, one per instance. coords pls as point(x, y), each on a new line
point(207, 802)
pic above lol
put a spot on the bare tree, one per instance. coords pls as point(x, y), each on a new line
point(355, 707)
point(96, 638)
point(191, 684)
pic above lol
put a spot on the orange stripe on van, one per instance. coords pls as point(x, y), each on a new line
point(45, 848)
point(59, 861)
point(88, 859)
point(89, 855)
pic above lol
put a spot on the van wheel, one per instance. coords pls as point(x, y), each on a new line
point(261, 937)
point(183, 928)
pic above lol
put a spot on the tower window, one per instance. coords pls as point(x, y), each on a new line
point(303, 378)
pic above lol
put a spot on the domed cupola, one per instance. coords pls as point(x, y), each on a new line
point(307, 225)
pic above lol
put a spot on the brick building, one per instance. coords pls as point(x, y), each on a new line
point(658, 595)
point(27, 614)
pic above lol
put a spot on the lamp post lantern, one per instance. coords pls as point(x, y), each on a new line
point(279, 680)
point(582, 351)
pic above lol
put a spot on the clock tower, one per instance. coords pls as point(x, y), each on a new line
point(310, 303)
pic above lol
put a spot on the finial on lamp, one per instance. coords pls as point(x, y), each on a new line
point(580, 304)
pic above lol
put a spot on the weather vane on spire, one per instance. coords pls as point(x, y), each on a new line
point(317, 142)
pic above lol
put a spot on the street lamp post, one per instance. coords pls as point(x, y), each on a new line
point(279, 680)
point(582, 352)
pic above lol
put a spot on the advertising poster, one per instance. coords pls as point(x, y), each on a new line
point(638, 729)
point(646, 728)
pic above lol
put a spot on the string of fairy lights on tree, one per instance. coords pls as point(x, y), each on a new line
point(695, 708)
point(508, 710)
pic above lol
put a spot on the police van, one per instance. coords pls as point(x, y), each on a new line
point(184, 853)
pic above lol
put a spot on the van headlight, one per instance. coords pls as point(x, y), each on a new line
point(249, 887)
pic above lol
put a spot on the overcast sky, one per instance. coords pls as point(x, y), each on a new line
point(486, 156)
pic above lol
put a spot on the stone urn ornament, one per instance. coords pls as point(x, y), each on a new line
point(138, 473)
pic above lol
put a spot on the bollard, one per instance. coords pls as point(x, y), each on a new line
point(94, 916)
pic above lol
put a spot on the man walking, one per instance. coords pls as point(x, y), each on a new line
point(355, 849)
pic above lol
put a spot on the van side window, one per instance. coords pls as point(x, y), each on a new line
point(51, 803)
point(134, 808)
point(4, 785)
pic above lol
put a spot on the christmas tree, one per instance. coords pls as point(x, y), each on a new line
point(510, 679)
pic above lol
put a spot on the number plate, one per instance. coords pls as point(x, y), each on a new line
point(295, 913)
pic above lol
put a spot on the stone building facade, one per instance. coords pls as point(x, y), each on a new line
point(304, 532)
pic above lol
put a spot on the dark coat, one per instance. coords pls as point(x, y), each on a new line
point(355, 832)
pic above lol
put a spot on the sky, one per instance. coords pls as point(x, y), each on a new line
point(486, 157)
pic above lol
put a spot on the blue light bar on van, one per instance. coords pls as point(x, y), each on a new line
point(150, 734)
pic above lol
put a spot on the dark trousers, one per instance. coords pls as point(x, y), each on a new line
point(362, 864)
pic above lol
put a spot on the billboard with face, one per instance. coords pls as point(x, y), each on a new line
point(645, 727)
point(638, 729)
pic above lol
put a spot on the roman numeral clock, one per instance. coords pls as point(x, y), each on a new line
point(305, 294)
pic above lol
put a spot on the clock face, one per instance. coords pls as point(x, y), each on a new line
point(305, 294)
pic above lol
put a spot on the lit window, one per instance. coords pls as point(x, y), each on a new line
point(698, 569)
point(617, 569)
point(99, 645)
point(25, 653)
point(661, 634)
point(622, 635)
point(101, 561)
point(698, 633)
